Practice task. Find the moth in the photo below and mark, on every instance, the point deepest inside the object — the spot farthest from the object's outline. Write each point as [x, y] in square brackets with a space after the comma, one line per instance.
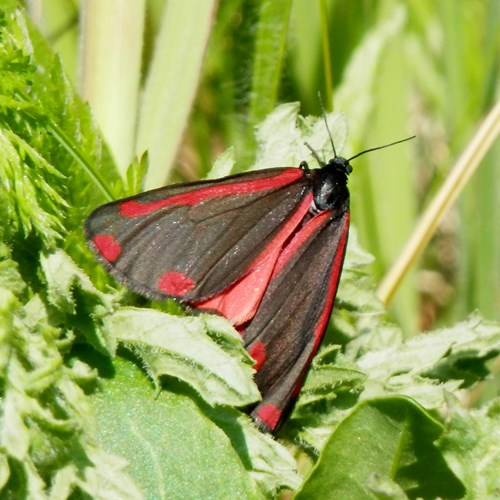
[264, 249]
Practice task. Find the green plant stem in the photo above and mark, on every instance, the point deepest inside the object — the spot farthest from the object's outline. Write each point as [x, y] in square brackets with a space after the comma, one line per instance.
[270, 53]
[111, 41]
[172, 82]
[327, 57]
[456, 181]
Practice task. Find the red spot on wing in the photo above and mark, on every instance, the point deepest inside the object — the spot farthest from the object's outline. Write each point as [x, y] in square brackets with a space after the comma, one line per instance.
[108, 247]
[175, 284]
[270, 415]
[133, 208]
[240, 301]
[258, 353]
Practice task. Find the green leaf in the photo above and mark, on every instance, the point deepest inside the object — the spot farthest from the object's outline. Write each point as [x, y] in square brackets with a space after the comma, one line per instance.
[330, 376]
[356, 289]
[282, 136]
[174, 451]
[380, 363]
[223, 165]
[427, 365]
[472, 343]
[172, 80]
[46, 425]
[10, 278]
[188, 348]
[272, 31]
[62, 276]
[136, 174]
[70, 291]
[383, 440]
[270, 464]
[46, 133]
[471, 446]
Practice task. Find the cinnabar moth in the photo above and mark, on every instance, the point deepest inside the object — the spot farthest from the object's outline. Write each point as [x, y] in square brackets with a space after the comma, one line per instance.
[264, 249]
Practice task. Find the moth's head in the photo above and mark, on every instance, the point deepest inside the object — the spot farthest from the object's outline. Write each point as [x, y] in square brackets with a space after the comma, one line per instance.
[340, 165]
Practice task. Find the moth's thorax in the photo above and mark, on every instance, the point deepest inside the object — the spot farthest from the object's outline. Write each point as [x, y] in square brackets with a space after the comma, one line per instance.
[329, 185]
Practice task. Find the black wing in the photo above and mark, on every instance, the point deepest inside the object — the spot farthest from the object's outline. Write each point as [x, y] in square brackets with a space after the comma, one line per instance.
[286, 332]
[193, 240]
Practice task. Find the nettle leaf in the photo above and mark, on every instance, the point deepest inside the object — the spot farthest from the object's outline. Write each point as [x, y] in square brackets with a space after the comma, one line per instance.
[471, 344]
[169, 430]
[72, 294]
[10, 278]
[432, 363]
[283, 134]
[329, 393]
[356, 289]
[44, 411]
[471, 446]
[331, 376]
[427, 368]
[62, 275]
[383, 448]
[271, 464]
[206, 353]
[191, 456]
[188, 348]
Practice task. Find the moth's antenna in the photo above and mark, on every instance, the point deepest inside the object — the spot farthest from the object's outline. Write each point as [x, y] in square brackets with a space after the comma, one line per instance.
[381, 147]
[326, 124]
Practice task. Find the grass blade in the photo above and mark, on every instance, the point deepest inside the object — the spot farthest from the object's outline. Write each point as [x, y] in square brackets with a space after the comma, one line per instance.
[456, 181]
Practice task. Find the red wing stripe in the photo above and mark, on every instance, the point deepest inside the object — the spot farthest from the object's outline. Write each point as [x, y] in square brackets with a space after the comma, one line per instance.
[336, 269]
[319, 329]
[133, 208]
[240, 301]
[320, 326]
[308, 230]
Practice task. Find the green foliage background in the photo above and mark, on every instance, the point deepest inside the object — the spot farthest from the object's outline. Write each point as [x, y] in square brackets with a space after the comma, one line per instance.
[396, 69]
[105, 398]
